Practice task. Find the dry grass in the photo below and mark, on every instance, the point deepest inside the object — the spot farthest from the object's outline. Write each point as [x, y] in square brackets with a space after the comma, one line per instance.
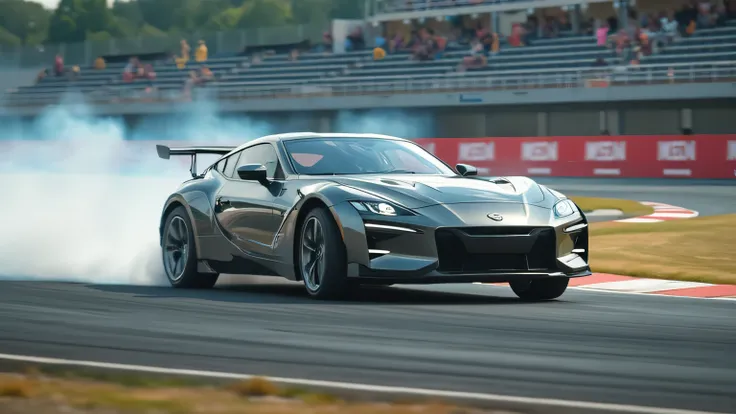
[18, 387]
[699, 249]
[628, 207]
[54, 395]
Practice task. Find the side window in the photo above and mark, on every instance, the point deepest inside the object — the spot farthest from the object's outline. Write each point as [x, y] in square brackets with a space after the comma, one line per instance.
[220, 166]
[231, 163]
[262, 154]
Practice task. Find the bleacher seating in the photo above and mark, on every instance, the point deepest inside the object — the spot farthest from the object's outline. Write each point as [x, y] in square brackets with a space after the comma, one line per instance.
[236, 74]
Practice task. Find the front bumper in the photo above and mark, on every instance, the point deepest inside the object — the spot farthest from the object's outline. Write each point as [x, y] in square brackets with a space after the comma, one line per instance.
[462, 250]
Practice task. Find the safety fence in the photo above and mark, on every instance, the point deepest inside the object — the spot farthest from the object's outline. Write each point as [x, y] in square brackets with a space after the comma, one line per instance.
[632, 156]
[642, 156]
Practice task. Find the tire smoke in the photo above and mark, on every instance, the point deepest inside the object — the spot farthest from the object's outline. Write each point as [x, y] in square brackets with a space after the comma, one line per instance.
[82, 194]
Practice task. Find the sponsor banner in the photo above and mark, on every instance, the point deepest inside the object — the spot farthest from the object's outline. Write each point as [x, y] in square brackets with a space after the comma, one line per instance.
[676, 151]
[680, 156]
[605, 151]
[691, 156]
[539, 151]
[476, 151]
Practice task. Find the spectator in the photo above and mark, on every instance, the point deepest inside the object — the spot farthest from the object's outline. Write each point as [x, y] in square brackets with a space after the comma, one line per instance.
[185, 50]
[59, 65]
[294, 55]
[130, 70]
[205, 75]
[100, 63]
[379, 53]
[148, 72]
[705, 15]
[495, 44]
[602, 35]
[201, 53]
[327, 42]
[477, 58]
[425, 47]
[42, 75]
[183, 59]
[517, 32]
[357, 41]
[75, 72]
[669, 25]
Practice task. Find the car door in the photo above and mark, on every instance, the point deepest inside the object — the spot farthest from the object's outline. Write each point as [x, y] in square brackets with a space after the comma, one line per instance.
[244, 208]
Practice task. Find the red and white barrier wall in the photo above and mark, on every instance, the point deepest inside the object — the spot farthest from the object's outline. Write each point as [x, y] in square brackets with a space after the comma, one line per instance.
[684, 156]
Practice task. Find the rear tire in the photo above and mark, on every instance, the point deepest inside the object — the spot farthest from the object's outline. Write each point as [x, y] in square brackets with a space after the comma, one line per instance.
[321, 256]
[179, 253]
[540, 289]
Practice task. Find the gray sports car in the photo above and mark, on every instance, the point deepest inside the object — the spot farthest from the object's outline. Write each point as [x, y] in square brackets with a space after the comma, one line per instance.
[337, 211]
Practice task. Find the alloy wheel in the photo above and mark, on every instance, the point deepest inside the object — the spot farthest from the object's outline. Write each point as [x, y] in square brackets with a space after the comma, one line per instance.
[312, 254]
[176, 250]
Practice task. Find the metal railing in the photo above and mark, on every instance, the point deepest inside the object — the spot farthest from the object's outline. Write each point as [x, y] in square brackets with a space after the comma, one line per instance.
[469, 82]
[401, 9]
[502, 80]
[390, 6]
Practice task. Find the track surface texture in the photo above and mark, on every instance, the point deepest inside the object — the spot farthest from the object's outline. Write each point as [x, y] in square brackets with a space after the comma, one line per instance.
[624, 349]
[708, 197]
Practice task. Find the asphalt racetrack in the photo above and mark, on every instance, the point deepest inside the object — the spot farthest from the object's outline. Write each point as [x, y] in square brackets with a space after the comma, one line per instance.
[645, 350]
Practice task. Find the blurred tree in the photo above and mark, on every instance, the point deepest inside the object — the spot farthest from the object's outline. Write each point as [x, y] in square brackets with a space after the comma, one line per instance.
[129, 11]
[265, 13]
[27, 21]
[67, 22]
[8, 39]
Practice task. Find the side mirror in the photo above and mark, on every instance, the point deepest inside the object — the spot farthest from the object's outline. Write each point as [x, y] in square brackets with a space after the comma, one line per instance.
[253, 172]
[466, 170]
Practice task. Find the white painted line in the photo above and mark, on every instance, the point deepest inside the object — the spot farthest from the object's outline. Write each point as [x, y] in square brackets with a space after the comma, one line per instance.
[359, 387]
[677, 171]
[539, 171]
[650, 294]
[607, 171]
[639, 220]
[644, 285]
[672, 215]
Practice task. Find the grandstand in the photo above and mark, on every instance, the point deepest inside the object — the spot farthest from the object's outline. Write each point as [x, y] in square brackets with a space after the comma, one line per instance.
[567, 60]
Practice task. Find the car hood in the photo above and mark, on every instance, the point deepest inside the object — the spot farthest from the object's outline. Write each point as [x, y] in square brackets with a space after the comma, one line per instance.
[416, 191]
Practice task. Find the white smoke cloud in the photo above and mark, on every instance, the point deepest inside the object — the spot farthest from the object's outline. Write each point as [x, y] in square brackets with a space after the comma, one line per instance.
[82, 194]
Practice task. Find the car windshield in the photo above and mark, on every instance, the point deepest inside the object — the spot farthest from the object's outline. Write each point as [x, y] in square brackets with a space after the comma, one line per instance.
[337, 156]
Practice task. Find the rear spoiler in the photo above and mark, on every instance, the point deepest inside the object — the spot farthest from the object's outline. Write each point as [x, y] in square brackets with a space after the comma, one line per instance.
[166, 152]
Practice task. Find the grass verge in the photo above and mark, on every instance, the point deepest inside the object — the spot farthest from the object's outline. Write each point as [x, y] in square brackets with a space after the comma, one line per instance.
[51, 391]
[700, 249]
[628, 207]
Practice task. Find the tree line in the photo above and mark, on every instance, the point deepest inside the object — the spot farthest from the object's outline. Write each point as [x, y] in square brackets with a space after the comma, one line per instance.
[24, 22]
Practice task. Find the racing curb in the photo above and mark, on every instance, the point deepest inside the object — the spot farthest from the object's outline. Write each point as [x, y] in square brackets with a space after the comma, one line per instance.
[606, 282]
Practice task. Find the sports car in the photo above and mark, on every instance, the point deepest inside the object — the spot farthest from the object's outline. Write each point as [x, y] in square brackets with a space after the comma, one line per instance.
[338, 211]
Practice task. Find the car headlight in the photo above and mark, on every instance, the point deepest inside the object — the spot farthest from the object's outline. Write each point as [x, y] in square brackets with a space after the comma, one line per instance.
[380, 208]
[564, 208]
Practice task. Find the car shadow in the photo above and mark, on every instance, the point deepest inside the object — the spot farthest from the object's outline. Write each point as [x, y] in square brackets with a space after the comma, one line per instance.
[294, 293]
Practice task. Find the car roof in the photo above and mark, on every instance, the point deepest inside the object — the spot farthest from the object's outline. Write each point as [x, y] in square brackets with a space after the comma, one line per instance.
[292, 136]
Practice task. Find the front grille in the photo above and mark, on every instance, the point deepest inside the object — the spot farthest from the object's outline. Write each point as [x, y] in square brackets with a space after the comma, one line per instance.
[455, 258]
[497, 230]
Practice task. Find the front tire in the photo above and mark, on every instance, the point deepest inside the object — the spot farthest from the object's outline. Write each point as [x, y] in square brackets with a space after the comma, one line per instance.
[540, 289]
[180, 255]
[321, 256]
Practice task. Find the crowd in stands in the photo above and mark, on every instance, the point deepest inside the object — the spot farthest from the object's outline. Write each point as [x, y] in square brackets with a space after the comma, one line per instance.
[643, 34]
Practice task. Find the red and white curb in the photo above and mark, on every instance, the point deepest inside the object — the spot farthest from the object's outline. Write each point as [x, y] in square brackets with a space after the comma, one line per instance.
[605, 282]
[662, 212]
